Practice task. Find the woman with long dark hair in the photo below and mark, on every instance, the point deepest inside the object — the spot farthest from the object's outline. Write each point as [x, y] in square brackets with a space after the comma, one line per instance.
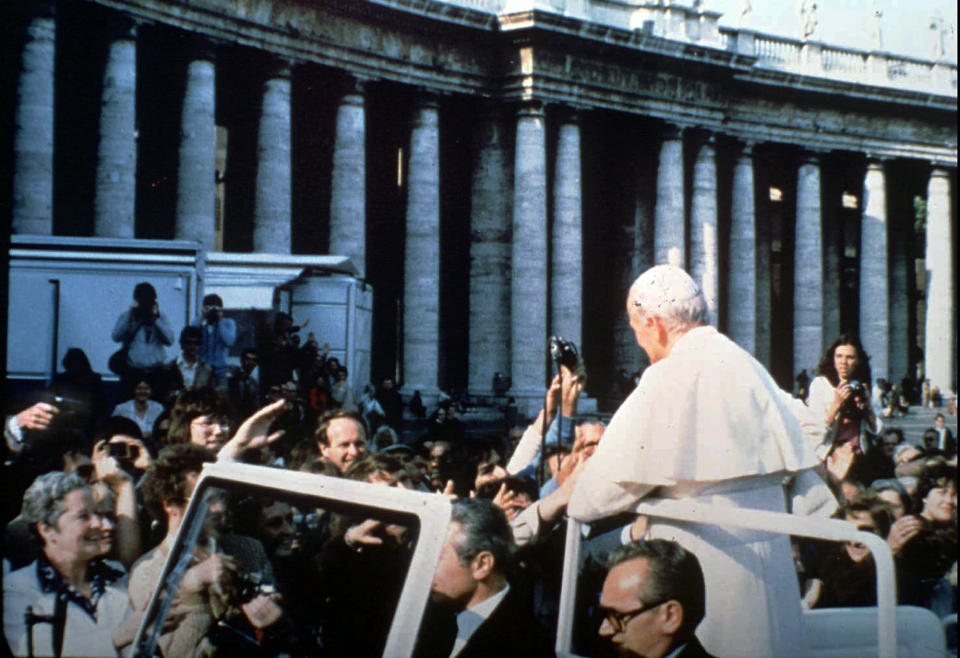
[840, 394]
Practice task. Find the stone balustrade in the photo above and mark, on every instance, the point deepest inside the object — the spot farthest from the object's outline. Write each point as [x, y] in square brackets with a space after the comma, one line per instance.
[701, 27]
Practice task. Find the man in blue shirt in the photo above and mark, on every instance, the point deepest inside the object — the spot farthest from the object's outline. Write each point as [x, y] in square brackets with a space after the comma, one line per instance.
[219, 334]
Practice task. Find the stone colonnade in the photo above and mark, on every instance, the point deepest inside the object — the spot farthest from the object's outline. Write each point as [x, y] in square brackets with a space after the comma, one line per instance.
[526, 213]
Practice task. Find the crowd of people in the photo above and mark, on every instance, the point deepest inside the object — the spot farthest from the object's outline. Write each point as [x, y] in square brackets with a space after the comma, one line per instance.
[97, 492]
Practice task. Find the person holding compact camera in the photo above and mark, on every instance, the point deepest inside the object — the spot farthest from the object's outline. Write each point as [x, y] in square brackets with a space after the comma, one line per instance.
[840, 394]
[145, 332]
[219, 335]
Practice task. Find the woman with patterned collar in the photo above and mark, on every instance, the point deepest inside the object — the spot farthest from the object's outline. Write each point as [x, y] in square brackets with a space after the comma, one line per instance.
[69, 599]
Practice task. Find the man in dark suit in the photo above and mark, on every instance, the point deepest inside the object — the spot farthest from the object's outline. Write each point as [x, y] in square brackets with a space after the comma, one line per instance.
[945, 441]
[188, 371]
[475, 611]
[652, 601]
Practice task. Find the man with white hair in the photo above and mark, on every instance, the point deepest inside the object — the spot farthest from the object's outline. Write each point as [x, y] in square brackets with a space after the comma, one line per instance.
[707, 421]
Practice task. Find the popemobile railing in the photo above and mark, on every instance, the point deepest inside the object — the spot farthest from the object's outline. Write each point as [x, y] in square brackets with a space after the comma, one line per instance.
[746, 519]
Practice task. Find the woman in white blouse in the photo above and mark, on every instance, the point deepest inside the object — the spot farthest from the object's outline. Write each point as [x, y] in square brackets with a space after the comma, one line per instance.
[840, 394]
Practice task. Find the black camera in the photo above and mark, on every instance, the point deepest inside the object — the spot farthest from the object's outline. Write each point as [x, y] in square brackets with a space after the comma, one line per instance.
[850, 408]
[121, 450]
[564, 352]
[248, 586]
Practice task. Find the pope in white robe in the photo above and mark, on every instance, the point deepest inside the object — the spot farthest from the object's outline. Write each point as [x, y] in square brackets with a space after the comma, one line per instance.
[707, 421]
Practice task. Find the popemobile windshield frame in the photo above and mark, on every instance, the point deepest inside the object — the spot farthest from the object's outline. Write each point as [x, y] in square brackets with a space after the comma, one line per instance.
[432, 510]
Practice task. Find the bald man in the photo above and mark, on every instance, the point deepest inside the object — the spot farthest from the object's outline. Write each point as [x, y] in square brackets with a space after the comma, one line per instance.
[707, 422]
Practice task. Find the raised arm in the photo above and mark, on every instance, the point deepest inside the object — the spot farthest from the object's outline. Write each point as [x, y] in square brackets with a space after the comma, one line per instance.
[164, 330]
[228, 331]
[125, 328]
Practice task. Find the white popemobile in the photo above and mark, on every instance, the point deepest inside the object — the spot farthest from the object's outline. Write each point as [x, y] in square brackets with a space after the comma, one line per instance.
[885, 631]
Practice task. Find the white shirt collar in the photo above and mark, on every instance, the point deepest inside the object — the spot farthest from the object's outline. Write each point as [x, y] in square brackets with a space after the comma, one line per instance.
[470, 619]
[676, 651]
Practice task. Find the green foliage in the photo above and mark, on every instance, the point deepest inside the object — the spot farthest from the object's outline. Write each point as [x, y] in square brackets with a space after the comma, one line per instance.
[919, 215]
[919, 225]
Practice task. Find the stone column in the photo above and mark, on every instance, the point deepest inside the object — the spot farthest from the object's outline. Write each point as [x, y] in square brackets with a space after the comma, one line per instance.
[833, 255]
[704, 266]
[940, 334]
[874, 271]
[808, 268]
[348, 189]
[901, 269]
[566, 285]
[33, 126]
[635, 257]
[528, 273]
[421, 292]
[273, 194]
[763, 350]
[669, 235]
[742, 321]
[114, 200]
[490, 215]
[196, 179]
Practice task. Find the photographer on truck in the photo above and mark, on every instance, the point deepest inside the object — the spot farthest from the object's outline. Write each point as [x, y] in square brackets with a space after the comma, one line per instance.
[145, 332]
[219, 334]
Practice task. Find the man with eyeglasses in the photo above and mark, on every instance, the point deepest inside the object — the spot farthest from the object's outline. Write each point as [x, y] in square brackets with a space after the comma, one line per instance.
[652, 601]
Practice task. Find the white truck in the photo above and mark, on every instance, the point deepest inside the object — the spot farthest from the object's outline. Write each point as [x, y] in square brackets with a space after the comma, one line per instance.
[68, 292]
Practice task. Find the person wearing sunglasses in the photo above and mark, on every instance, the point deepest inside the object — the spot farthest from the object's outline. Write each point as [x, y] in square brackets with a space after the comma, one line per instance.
[653, 598]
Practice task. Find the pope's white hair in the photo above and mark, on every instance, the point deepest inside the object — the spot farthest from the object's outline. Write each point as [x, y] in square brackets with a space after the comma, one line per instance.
[669, 293]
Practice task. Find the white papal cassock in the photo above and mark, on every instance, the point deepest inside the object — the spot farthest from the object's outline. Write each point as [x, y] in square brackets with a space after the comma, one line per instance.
[708, 422]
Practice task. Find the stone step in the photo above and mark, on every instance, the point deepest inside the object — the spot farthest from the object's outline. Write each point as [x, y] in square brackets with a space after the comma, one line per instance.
[918, 419]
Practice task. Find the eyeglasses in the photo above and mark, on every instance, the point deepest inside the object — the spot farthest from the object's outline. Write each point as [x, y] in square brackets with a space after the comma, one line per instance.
[210, 421]
[618, 620]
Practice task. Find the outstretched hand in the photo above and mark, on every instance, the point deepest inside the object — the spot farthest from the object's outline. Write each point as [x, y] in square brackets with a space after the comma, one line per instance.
[573, 384]
[553, 398]
[504, 497]
[38, 417]
[253, 433]
[363, 534]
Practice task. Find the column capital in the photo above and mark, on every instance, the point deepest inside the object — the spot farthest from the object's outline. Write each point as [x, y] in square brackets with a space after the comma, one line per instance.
[746, 147]
[939, 169]
[120, 26]
[875, 157]
[279, 67]
[531, 108]
[355, 85]
[36, 9]
[568, 113]
[674, 130]
[199, 47]
[810, 156]
[426, 100]
[875, 163]
[353, 91]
